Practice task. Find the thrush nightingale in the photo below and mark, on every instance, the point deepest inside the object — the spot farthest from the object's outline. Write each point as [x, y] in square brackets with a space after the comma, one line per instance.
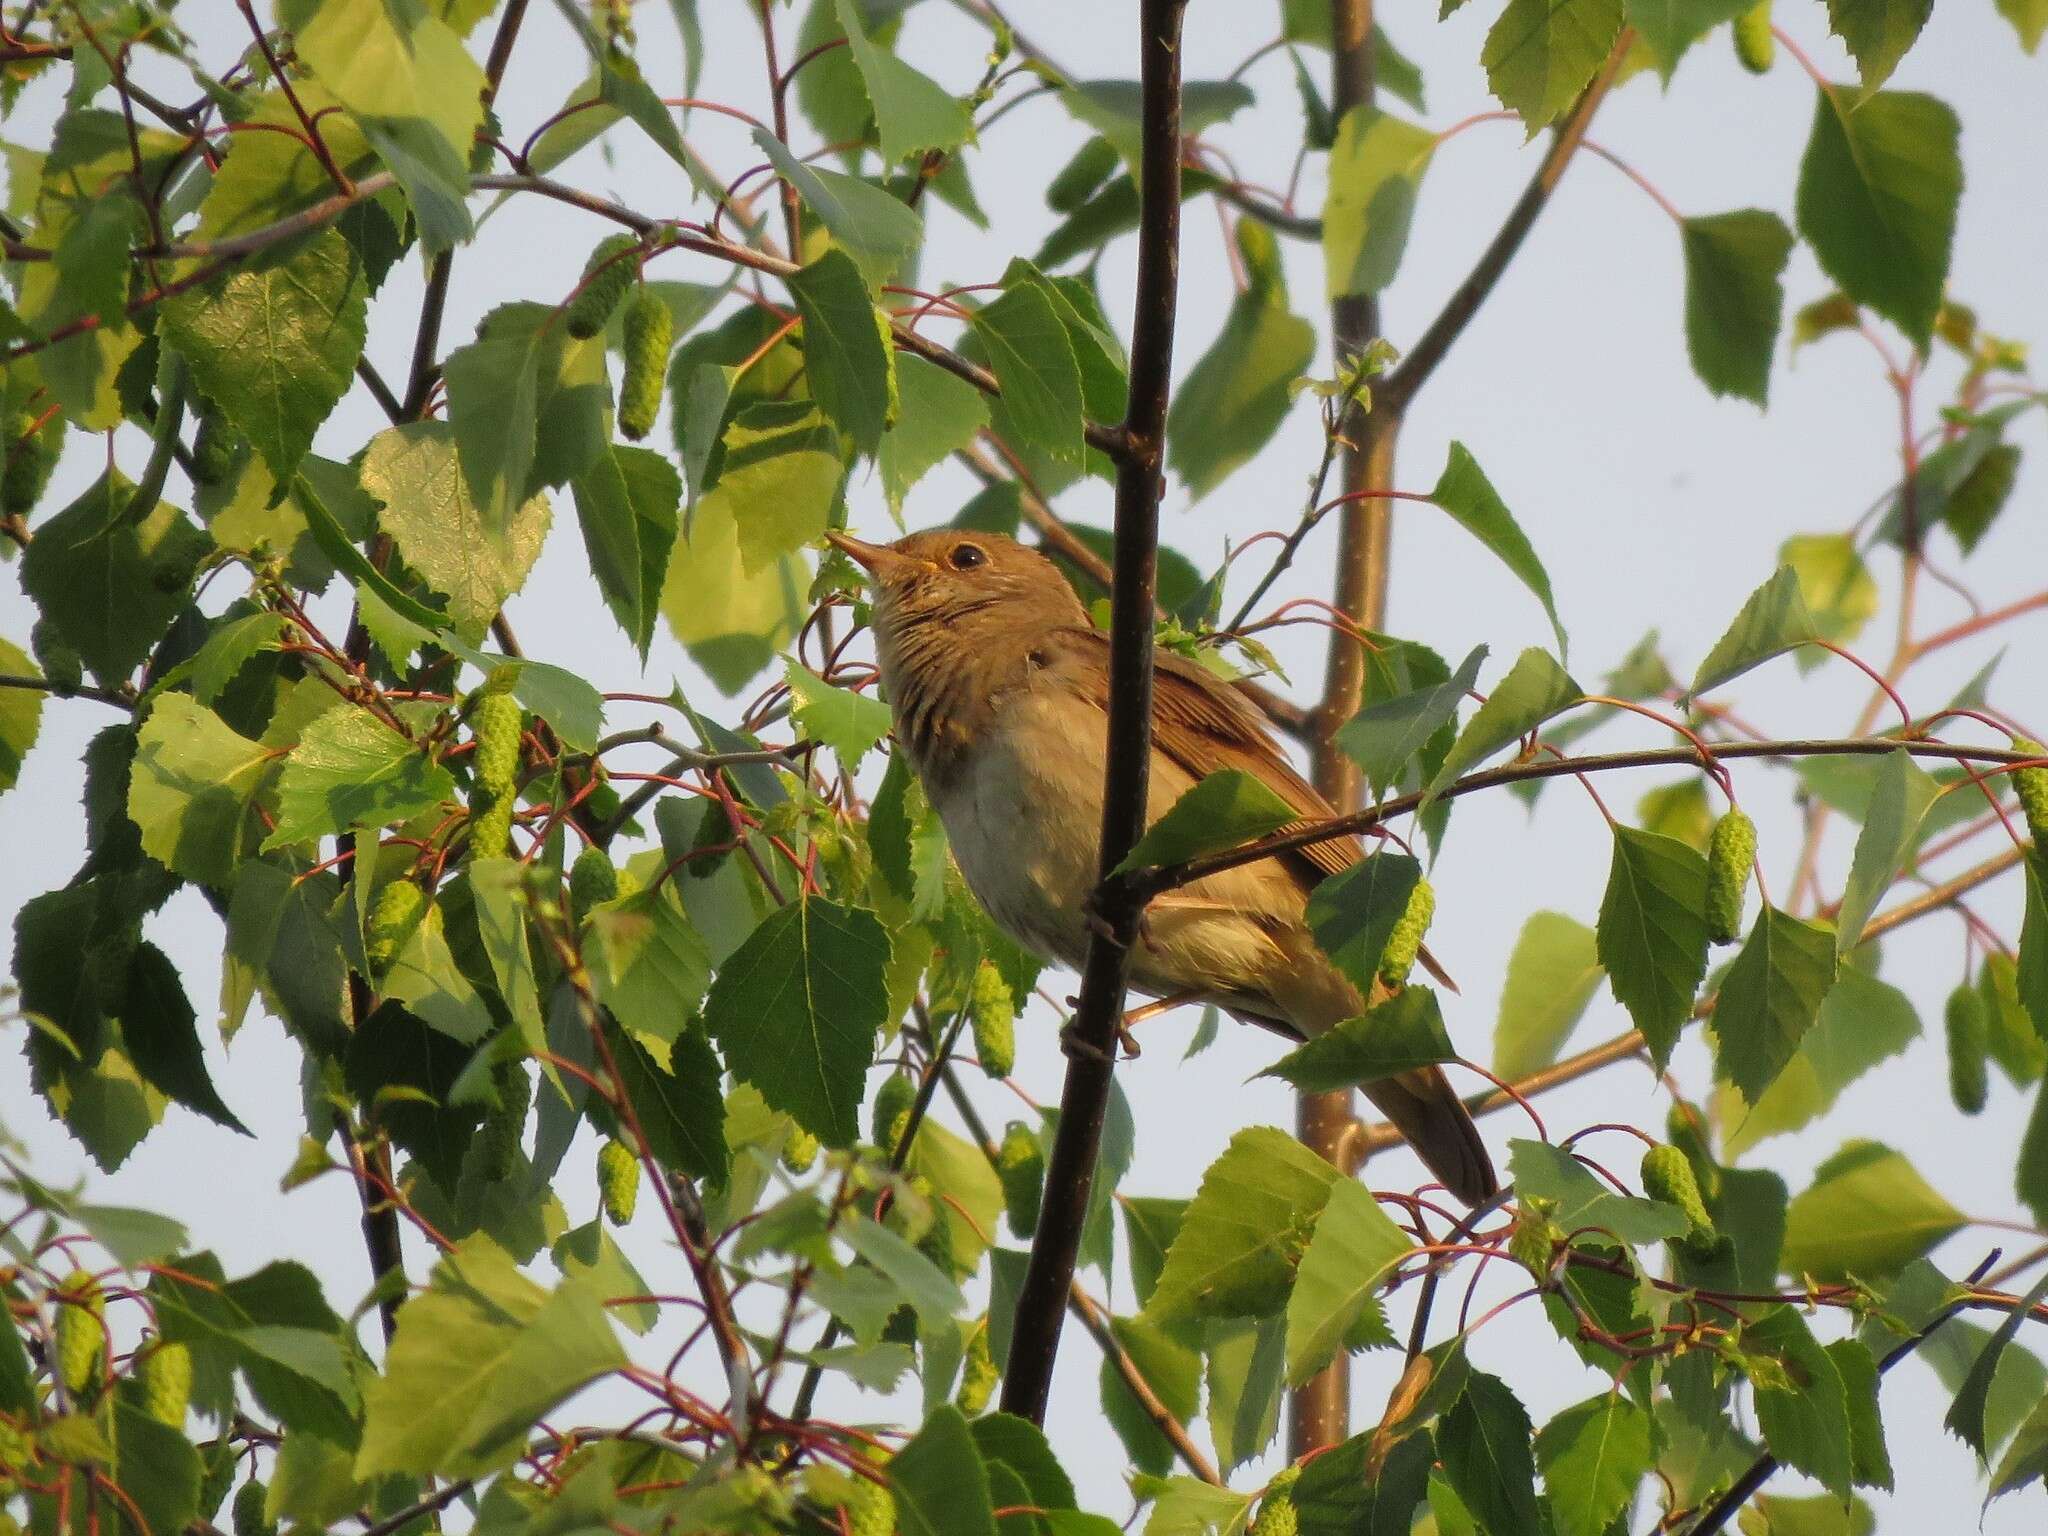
[999, 688]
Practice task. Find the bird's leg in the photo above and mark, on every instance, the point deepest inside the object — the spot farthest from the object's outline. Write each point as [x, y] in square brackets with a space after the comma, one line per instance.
[1136, 1016]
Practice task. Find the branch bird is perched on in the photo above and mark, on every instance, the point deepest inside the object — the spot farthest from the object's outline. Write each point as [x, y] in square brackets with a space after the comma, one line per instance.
[999, 686]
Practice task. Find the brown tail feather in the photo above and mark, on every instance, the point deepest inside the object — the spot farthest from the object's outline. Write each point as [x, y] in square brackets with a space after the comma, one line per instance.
[1433, 1120]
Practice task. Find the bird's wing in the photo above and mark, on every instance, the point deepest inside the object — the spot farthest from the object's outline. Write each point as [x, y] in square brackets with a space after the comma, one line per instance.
[1203, 725]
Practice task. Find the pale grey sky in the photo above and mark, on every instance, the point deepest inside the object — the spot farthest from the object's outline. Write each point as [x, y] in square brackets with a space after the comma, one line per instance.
[1653, 506]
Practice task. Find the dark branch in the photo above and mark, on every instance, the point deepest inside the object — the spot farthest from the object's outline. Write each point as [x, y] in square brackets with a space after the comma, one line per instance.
[1047, 1282]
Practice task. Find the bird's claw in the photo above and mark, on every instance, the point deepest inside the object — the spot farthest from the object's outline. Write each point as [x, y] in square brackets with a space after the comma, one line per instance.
[1078, 1049]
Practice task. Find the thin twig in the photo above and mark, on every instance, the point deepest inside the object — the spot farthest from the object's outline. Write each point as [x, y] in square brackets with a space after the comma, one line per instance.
[1041, 1303]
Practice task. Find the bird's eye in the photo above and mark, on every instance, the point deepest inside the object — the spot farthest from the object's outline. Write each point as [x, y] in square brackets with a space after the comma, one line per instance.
[965, 557]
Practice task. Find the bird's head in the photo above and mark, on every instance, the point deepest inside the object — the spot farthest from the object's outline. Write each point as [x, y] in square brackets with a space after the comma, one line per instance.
[962, 583]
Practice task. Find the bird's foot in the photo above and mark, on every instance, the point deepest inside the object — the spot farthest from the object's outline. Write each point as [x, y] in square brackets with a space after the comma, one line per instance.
[1078, 1049]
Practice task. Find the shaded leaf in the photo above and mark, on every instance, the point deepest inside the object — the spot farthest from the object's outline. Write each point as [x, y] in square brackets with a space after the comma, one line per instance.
[1464, 491]
[1770, 997]
[1867, 1212]
[1553, 972]
[1403, 1032]
[1734, 295]
[1223, 809]
[1376, 169]
[1773, 621]
[1356, 1246]
[1535, 689]
[1652, 936]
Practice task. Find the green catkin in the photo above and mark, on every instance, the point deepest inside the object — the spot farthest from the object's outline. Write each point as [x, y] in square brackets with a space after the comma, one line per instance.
[17, 1447]
[1020, 1165]
[31, 455]
[1968, 1033]
[1667, 1176]
[503, 1135]
[618, 1181]
[1278, 1515]
[606, 276]
[393, 916]
[2031, 785]
[1684, 1128]
[593, 881]
[977, 1374]
[249, 1518]
[1754, 45]
[1730, 853]
[166, 1374]
[993, 1012]
[81, 1331]
[1079, 177]
[870, 1509]
[214, 447]
[892, 1103]
[1404, 944]
[649, 328]
[496, 723]
[800, 1151]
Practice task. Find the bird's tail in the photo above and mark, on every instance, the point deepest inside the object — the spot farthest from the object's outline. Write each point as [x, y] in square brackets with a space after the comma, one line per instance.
[1433, 1120]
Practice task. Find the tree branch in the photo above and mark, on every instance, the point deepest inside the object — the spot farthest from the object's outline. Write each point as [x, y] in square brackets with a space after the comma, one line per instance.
[1422, 360]
[1166, 877]
[1034, 1343]
[1761, 1469]
[1319, 1411]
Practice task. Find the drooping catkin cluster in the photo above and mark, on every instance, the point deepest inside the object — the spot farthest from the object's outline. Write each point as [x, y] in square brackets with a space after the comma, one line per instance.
[607, 275]
[1667, 1176]
[394, 915]
[1730, 853]
[1969, 1034]
[593, 881]
[618, 1181]
[1278, 1514]
[892, 1111]
[81, 1331]
[648, 331]
[1754, 45]
[496, 723]
[1020, 1166]
[993, 1013]
[2031, 785]
[1404, 944]
[166, 1380]
[31, 455]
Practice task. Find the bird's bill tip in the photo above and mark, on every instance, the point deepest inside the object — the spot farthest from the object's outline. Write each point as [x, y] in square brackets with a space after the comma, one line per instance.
[869, 557]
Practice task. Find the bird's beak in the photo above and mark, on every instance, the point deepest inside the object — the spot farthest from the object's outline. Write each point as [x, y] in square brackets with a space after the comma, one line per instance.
[872, 558]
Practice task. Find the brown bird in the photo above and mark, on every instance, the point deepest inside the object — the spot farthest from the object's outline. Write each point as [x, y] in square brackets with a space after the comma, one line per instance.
[999, 687]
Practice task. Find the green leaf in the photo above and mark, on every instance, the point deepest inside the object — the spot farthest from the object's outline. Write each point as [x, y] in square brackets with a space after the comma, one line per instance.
[1878, 33]
[1240, 390]
[571, 705]
[1353, 914]
[1583, 1200]
[229, 649]
[1891, 833]
[850, 723]
[1777, 1514]
[1878, 190]
[1376, 170]
[1246, 1366]
[782, 476]
[493, 389]
[1670, 27]
[189, 789]
[1116, 108]
[1553, 973]
[1734, 263]
[2029, 19]
[2030, 977]
[1835, 584]
[921, 1283]
[2030, 1175]
[441, 533]
[1224, 809]
[1032, 358]
[1652, 936]
[1593, 1455]
[1384, 735]
[352, 770]
[940, 1481]
[912, 111]
[1867, 1453]
[1806, 1420]
[1245, 1229]
[732, 618]
[648, 965]
[1335, 1497]
[160, 1032]
[1770, 997]
[1863, 1021]
[880, 234]
[1397, 1035]
[938, 415]
[1773, 621]
[796, 1008]
[627, 503]
[1535, 689]
[1541, 53]
[1356, 1246]
[678, 1101]
[276, 348]
[21, 713]
[846, 362]
[480, 1356]
[1464, 491]
[1484, 1447]
[110, 586]
[1867, 1212]
[2026, 1459]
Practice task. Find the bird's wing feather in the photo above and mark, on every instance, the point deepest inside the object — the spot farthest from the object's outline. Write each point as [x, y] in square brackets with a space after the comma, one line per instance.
[1202, 724]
